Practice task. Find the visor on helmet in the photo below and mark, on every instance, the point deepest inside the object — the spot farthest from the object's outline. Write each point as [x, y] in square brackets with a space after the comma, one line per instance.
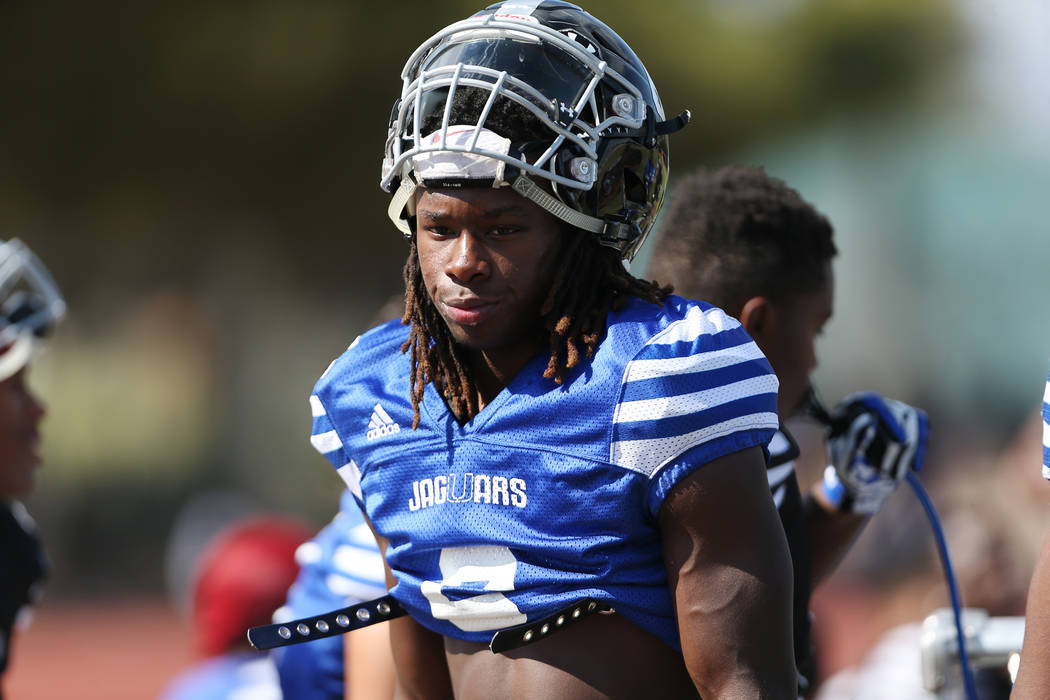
[564, 76]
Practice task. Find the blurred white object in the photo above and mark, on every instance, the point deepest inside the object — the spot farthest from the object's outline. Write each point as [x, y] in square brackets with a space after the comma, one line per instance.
[891, 669]
[990, 642]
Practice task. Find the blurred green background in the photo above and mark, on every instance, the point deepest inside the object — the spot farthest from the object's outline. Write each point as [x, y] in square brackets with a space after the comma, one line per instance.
[202, 180]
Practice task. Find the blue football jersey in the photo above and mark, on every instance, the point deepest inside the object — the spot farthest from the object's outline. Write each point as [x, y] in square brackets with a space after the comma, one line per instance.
[340, 566]
[1046, 429]
[234, 675]
[551, 493]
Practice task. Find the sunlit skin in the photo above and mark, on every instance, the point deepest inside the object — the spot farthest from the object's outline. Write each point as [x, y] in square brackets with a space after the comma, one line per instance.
[786, 331]
[20, 413]
[488, 257]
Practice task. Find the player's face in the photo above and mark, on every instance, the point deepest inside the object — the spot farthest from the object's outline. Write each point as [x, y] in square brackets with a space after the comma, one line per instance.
[487, 258]
[790, 342]
[20, 414]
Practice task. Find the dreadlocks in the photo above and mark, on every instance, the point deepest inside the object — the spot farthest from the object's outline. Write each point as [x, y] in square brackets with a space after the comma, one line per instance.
[589, 283]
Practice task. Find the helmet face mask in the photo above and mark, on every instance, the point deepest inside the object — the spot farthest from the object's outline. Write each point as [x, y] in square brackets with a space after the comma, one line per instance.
[590, 116]
[30, 305]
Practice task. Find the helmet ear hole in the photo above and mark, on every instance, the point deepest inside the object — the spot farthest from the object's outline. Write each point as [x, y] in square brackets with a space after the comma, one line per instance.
[634, 190]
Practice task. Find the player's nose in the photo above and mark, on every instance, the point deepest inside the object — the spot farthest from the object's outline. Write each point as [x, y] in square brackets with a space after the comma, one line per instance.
[467, 258]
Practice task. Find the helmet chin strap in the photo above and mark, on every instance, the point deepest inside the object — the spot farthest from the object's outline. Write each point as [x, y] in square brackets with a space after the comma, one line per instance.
[396, 209]
[533, 192]
[611, 234]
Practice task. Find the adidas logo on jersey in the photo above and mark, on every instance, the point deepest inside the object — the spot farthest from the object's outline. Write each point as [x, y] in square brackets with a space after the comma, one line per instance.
[381, 424]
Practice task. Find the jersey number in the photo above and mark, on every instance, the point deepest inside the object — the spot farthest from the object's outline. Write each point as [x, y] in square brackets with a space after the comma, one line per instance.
[495, 566]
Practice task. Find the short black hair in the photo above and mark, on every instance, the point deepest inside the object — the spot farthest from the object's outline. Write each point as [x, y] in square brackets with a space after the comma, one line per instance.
[736, 232]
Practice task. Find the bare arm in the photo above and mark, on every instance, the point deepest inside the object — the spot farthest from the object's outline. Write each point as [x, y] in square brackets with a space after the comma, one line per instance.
[730, 576]
[1033, 674]
[831, 533]
[370, 670]
[418, 653]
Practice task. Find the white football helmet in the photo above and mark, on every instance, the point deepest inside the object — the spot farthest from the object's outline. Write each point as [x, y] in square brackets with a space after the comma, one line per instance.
[30, 305]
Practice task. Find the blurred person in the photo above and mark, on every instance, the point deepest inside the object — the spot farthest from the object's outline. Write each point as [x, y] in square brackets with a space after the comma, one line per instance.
[748, 243]
[1033, 672]
[30, 305]
[893, 581]
[240, 579]
[550, 436]
[338, 567]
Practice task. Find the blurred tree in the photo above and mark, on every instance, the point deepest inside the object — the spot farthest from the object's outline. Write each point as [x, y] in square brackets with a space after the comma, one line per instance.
[154, 128]
[223, 158]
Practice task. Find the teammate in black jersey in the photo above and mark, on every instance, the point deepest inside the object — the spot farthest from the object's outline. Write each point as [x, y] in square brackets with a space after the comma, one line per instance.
[747, 242]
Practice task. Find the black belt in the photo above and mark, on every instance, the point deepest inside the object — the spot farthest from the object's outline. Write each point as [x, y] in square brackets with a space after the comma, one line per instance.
[514, 637]
[327, 625]
[387, 608]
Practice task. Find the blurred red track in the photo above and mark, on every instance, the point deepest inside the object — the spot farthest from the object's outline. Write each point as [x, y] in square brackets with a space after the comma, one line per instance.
[105, 650]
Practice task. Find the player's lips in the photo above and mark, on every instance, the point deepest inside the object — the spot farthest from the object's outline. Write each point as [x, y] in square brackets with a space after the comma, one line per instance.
[470, 311]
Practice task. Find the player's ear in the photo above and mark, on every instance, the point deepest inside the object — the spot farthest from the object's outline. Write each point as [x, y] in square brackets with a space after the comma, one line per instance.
[755, 316]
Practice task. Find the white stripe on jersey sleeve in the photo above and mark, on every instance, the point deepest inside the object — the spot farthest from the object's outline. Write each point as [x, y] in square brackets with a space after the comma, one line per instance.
[715, 359]
[669, 406]
[361, 563]
[696, 322]
[1046, 430]
[326, 442]
[316, 407]
[352, 589]
[777, 475]
[778, 444]
[361, 535]
[352, 477]
[648, 456]
[308, 552]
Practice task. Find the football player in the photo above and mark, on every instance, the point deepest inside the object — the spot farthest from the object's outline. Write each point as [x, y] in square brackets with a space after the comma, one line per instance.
[239, 579]
[30, 305]
[339, 566]
[751, 245]
[544, 436]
